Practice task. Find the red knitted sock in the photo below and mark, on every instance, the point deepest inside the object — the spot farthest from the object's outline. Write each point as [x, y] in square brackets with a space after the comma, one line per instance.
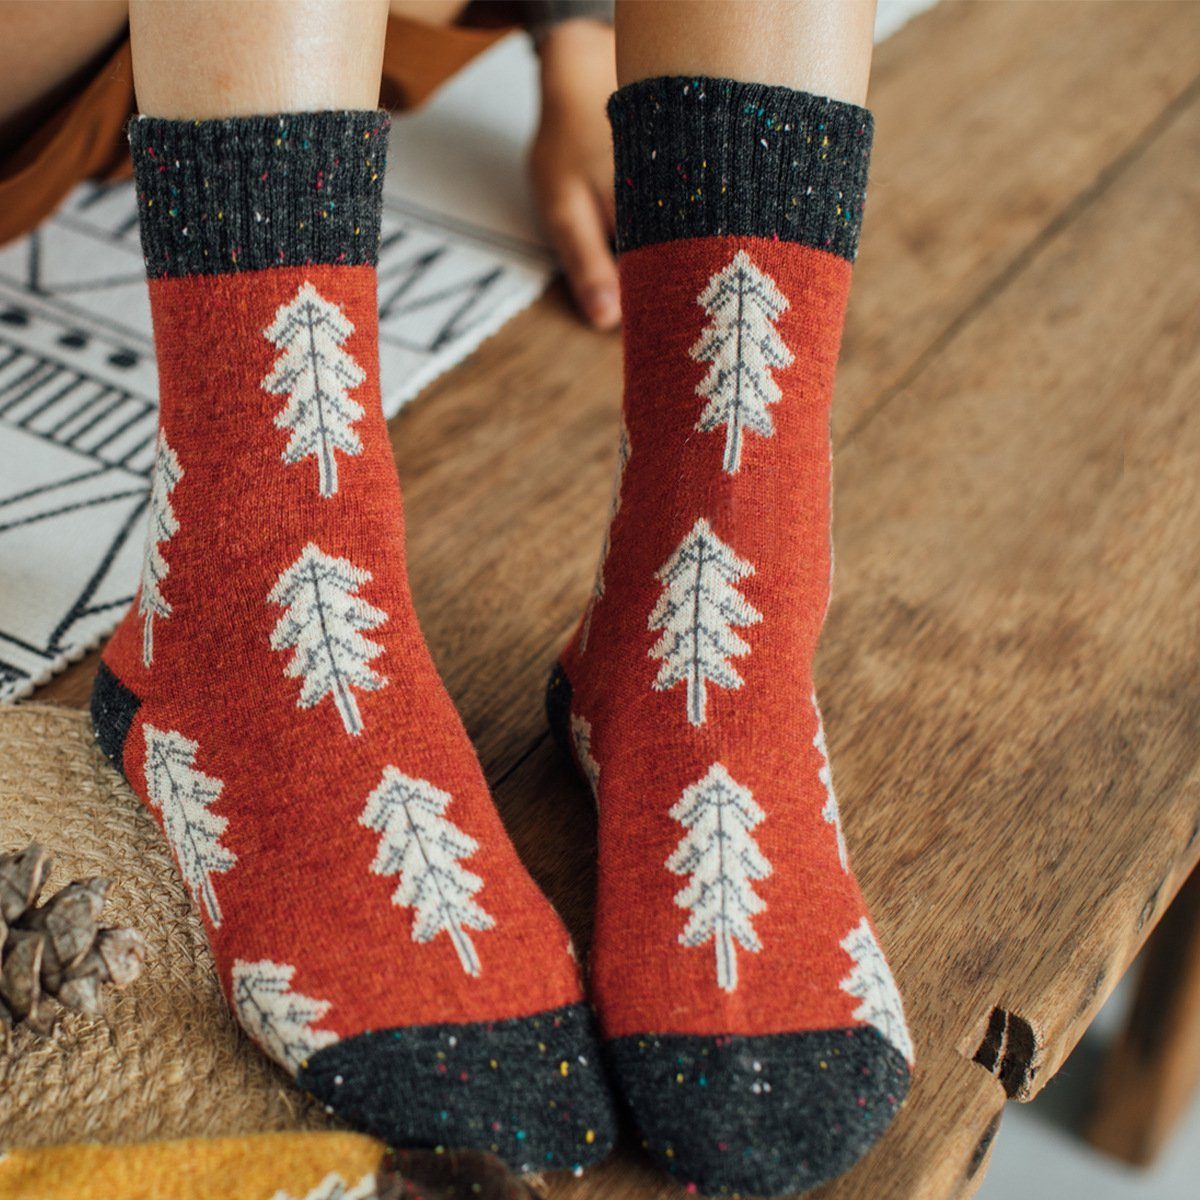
[270, 696]
[750, 1018]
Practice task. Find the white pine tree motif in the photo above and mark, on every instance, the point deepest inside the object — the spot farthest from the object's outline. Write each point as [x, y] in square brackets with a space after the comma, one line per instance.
[825, 774]
[185, 796]
[420, 845]
[697, 612]
[334, 1187]
[623, 452]
[324, 622]
[581, 731]
[315, 374]
[162, 527]
[743, 347]
[723, 860]
[280, 1020]
[872, 983]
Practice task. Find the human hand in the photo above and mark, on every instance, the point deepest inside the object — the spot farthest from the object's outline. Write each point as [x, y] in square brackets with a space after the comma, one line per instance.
[571, 163]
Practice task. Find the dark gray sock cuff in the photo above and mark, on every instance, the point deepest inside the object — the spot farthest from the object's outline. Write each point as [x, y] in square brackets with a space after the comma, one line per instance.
[699, 157]
[252, 192]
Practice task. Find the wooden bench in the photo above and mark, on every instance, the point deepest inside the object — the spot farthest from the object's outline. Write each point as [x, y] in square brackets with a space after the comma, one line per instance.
[1011, 669]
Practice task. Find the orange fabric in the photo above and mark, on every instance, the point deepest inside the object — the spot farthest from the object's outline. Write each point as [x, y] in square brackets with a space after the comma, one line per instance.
[774, 514]
[419, 58]
[303, 890]
[85, 138]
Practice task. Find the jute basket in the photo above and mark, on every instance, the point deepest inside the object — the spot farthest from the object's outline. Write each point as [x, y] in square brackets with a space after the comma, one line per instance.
[167, 1059]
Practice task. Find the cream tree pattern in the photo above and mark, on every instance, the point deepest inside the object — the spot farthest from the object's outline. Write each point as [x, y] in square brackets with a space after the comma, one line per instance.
[185, 796]
[742, 347]
[825, 774]
[697, 612]
[623, 452]
[420, 845]
[316, 374]
[280, 1020]
[324, 624]
[162, 527]
[720, 855]
[871, 982]
[334, 1187]
[581, 733]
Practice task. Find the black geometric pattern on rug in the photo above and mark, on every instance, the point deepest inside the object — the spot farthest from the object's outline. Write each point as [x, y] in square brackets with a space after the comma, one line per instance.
[78, 396]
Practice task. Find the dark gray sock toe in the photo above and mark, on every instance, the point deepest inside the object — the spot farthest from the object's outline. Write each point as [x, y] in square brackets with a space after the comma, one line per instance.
[529, 1089]
[113, 708]
[760, 1116]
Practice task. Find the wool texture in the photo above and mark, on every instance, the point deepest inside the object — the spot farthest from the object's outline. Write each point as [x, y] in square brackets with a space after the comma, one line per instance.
[750, 1017]
[271, 698]
[268, 1166]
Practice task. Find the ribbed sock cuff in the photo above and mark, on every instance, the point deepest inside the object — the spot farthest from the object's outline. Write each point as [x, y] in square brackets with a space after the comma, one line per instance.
[253, 192]
[699, 157]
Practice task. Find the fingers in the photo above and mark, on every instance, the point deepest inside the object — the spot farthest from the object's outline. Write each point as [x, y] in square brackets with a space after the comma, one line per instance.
[579, 229]
[608, 200]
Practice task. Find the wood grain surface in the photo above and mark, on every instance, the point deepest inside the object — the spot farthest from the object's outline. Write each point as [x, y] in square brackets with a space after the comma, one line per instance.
[1009, 670]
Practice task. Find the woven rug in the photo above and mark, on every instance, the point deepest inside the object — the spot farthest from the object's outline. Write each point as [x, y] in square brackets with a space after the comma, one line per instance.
[167, 1059]
[461, 255]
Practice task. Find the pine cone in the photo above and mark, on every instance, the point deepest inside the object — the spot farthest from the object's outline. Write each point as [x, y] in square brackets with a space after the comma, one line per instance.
[56, 951]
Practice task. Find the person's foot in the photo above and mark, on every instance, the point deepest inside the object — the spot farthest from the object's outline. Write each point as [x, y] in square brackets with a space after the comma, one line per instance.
[750, 1017]
[270, 696]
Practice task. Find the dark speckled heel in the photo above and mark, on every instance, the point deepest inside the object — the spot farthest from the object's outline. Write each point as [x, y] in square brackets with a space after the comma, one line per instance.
[750, 1115]
[113, 709]
[528, 1089]
[760, 1116]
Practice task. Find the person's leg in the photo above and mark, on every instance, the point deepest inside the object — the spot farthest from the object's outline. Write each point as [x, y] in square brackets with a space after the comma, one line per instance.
[270, 695]
[750, 1018]
[818, 46]
[226, 58]
[41, 53]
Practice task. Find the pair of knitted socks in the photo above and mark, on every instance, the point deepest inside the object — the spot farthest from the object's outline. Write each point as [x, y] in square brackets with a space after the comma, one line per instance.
[271, 698]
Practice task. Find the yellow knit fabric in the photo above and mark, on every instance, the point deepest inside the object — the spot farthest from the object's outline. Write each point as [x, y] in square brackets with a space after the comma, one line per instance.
[269, 1166]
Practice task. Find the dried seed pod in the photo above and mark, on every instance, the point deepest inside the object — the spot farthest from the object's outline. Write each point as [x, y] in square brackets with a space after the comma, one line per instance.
[56, 951]
[21, 878]
[82, 994]
[21, 975]
[123, 954]
[69, 919]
